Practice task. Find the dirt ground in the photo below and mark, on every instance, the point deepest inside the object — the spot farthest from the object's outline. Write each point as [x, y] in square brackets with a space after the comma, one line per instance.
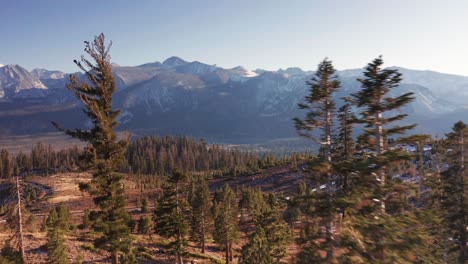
[63, 188]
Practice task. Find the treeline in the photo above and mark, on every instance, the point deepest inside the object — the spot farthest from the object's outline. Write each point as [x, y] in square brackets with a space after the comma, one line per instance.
[41, 160]
[151, 155]
[154, 155]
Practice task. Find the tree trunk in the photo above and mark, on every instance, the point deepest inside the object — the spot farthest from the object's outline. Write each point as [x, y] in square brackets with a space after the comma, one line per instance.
[379, 137]
[231, 258]
[115, 258]
[179, 259]
[203, 245]
[328, 159]
[20, 222]
[227, 253]
[203, 234]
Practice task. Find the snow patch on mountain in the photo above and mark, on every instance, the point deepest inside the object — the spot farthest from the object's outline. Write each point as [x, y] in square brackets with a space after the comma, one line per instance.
[46, 74]
[14, 80]
[174, 62]
[243, 72]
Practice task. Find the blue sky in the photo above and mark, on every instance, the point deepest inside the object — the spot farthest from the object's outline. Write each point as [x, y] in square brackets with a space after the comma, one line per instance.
[268, 34]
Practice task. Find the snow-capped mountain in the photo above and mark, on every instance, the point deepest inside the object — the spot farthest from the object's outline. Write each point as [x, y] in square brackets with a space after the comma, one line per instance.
[17, 82]
[205, 100]
[46, 74]
[174, 62]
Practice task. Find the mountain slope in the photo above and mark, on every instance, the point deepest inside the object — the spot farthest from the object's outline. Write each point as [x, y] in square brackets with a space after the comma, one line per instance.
[17, 82]
[203, 100]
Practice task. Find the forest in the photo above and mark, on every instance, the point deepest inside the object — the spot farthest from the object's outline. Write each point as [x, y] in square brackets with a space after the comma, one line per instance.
[385, 196]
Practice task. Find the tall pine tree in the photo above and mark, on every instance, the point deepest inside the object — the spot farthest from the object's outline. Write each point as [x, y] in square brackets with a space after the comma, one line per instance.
[170, 215]
[375, 226]
[200, 218]
[58, 224]
[104, 151]
[225, 210]
[454, 191]
[320, 114]
[257, 249]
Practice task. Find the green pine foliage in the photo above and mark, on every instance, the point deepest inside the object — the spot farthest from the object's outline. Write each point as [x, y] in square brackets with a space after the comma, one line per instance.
[104, 151]
[170, 215]
[454, 192]
[200, 216]
[266, 212]
[343, 145]
[225, 210]
[57, 224]
[154, 155]
[375, 227]
[5, 165]
[257, 249]
[376, 104]
[320, 107]
[318, 126]
[145, 226]
[144, 205]
[8, 255]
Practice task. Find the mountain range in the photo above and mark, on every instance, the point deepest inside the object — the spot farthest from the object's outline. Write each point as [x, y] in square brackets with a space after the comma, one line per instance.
[234, 105]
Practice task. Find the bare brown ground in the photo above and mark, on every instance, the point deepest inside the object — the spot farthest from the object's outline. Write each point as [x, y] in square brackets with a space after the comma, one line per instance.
[65, 190]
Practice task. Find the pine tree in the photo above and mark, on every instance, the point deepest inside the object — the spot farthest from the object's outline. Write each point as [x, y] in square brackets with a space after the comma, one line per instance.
[170, 215]
[257, 249]
[144, 205]
[225, 220]
[320, 116]
[104, 152]
[145, 226]
[321, 107]
[454, 191]
[8, 255]
[375, 103]
[268, 217]
[5, 164]
[344, 143]
[200, 212]
[343, 148]
[378, 215]
[376, 109]
[57, 224]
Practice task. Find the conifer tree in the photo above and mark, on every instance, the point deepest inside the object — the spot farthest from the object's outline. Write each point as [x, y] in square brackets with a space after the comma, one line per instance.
[257, 249]
[144, 205]
[199, 199]
[376, 104]
[104, 151]
[57, 224]
[320, 108]
[145, 225]
[374, 230]
[225, 220]
[376, 109]
[344, 145]
[5, 165]
[320, 116]
[269, 218]
[170, 215]
[454, 191]
[343, 150]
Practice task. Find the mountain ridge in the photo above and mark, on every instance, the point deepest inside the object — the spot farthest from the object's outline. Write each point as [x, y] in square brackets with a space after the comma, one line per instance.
[203, 100]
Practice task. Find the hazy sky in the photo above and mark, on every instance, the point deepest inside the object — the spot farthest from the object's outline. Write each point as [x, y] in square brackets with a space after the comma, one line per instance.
[269, 34]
